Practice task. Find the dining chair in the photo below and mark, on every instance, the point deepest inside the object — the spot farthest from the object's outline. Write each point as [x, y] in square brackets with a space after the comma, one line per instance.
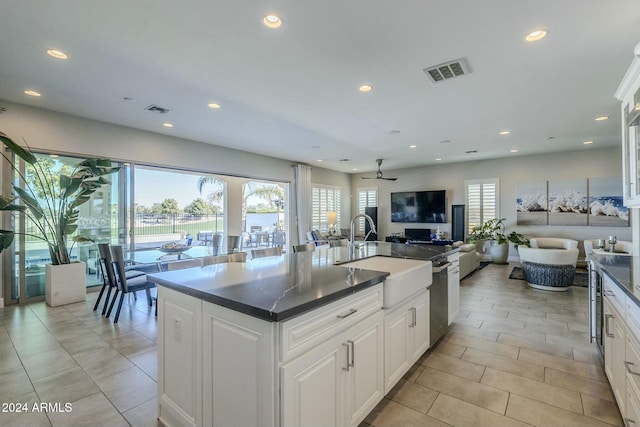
[216, 243]
[187, 263]
[338, 242]
[307, 247]
[214, 259]
[125, 285]
[234, 243]
[221, 259]
[107, 282]
[237, 257]
[260, 253]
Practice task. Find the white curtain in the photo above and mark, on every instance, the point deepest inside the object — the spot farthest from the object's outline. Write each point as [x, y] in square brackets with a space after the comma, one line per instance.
[302, 175]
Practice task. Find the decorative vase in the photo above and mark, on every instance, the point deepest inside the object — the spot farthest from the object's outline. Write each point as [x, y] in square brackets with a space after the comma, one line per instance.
[65, 283]
[499, 252]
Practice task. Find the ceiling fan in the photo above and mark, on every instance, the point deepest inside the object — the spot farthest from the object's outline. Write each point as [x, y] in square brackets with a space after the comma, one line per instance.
[379, 173]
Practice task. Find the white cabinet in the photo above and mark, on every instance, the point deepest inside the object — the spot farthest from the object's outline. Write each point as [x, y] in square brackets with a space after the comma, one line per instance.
[179, 359]
[238, 369]
[453, 279]
[338, 382]
[614, 339]
[628, 93]
[406, 335]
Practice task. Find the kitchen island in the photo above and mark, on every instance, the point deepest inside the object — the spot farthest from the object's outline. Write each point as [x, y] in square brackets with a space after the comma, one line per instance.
[287, 340]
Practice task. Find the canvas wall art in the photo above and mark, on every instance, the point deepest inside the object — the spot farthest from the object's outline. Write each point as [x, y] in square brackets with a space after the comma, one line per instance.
[606, 207]
[531, 203]
[568, 202]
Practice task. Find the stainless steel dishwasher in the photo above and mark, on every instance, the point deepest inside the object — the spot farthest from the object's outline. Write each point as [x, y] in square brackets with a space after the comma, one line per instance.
[439, 294]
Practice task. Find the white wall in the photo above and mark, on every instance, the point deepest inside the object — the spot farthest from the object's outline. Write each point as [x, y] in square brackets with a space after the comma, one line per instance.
[586, 163]
[50, 131]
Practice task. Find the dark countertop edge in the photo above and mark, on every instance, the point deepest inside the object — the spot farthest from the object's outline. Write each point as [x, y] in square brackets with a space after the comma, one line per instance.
[268, 315]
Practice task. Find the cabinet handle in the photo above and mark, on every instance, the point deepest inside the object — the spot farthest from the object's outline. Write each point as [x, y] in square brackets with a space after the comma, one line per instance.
[413, 317]
[628, 366]
[351, 311]
[353, 353]
[628, 422]
[606, 325]
[348, 364]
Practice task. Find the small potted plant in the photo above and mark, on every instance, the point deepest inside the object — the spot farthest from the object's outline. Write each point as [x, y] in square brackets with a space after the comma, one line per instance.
[490, 237]
[50, 201]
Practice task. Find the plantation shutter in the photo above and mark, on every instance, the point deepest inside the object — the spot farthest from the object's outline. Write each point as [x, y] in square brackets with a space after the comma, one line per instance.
[323, 200]
[482, 201]
[367, 197]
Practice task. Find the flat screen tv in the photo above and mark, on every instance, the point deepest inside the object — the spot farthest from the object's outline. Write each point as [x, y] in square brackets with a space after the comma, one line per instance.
[419, 207]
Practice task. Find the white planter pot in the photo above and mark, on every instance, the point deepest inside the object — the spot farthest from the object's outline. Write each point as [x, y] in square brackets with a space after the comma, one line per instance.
[482, 250]
[499, 252]
[65, 283]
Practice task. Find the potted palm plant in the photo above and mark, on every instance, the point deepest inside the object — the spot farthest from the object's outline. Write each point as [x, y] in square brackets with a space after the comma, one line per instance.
[50, 201]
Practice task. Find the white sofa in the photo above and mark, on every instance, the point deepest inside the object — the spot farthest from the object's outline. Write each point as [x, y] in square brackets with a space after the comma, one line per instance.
[550, 263]
[469, 260]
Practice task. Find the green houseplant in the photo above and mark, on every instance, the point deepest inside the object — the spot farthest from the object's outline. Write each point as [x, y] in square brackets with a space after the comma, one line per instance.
[492, 235]
[50, 201]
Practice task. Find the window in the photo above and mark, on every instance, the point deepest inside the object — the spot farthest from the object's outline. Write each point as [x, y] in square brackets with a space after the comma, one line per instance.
[367, 198]
[482, 201]
[323, 200]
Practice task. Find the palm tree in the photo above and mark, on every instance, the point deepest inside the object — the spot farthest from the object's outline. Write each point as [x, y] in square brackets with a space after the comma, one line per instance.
[270, 192]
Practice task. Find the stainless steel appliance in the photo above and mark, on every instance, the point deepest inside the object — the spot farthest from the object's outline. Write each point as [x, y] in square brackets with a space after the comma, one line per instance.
[595, 306]
[438, 305]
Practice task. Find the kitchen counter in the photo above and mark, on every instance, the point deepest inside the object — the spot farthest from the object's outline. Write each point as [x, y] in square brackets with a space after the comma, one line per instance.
[624, 270]
[280, 287]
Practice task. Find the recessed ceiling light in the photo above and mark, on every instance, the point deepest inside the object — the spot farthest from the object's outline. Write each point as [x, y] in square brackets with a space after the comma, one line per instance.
[412, 146]
[127, 99]
[536, 35]
[355, 169]
[319, 160]
[445, 141]
[32, 93]
[514, 151]
[365, 88]
[58, 54]
[550, 138]
[601, 118]
[587, 142]
[438, 159]
[213, 105]
[272, 21]
[504, 132]
[393, 132]
[167, 125]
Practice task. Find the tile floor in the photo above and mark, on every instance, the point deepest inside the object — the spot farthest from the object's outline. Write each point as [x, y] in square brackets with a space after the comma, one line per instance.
[515, 356]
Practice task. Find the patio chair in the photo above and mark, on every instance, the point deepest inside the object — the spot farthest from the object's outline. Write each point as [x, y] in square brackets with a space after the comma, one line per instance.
[234, 244]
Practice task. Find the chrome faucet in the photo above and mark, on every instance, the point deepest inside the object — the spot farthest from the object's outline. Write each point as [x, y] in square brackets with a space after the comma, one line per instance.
[352, 236]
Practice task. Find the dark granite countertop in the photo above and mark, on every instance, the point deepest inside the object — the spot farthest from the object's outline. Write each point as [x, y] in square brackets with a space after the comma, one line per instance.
[624, 270]
[280, 287]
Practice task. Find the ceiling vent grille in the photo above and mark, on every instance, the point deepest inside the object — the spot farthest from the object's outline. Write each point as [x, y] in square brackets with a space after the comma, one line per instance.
[156, 109]
[447, 70]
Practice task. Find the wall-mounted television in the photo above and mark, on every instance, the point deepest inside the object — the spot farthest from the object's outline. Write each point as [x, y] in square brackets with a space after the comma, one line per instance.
[419, 206]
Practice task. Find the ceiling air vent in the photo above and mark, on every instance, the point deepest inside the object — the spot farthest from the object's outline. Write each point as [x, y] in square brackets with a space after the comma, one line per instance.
[156, 109]
[447, 70]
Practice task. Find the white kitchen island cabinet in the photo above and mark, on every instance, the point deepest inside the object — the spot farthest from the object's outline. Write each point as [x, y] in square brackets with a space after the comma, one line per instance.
[291, 340]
